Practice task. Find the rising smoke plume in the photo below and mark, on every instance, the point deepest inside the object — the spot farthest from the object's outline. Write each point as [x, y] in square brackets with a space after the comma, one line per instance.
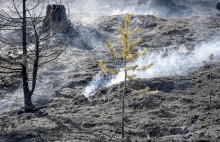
[167, 62]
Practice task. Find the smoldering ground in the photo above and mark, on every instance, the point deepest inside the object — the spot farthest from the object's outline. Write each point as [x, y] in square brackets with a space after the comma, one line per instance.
[181, 111]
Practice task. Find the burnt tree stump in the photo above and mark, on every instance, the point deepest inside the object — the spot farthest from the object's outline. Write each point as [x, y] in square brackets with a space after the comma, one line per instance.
[56, 19]
[140, 2]
[218, 6]
[169, 4]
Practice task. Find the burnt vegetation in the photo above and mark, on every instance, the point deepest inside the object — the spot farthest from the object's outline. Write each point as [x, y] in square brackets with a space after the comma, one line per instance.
[37, 44]
[186, 107]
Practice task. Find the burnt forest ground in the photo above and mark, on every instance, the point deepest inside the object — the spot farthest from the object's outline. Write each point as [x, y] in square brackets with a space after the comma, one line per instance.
[179, 112]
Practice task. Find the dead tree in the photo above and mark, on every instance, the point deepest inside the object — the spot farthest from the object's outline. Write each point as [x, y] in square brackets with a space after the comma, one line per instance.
[36, 47]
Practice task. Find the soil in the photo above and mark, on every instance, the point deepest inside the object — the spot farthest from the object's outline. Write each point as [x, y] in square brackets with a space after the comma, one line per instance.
[180, 112]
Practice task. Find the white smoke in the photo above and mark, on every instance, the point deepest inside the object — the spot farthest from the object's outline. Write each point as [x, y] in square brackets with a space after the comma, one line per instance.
[97, 81]
[166, 62]
[89, 10]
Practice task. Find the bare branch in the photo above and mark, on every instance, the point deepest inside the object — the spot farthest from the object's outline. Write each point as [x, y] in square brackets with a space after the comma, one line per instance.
[38, 2]
[7, 14]
[54, 53]
[54, 57]
[41, 12]
[16, 8]
[12, 20]
[9, 42]
[9, 25]
[9, 68]
[10, 61]
[9, 72]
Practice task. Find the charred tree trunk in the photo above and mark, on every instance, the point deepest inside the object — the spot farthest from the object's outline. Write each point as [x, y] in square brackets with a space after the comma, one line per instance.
[218, 6]
[55, 18]
[24, 35]
[30, 62]
[36, 62]
[28, 106]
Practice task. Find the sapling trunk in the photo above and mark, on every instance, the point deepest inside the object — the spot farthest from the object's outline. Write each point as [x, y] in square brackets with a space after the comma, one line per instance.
[211, 57]
[210, 95]
[123, 100]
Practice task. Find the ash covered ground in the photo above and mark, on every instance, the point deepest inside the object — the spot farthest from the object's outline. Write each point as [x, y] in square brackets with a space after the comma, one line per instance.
[179, 40]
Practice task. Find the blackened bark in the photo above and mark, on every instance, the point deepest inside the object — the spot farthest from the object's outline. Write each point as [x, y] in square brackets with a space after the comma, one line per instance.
[28, 106]
[123, 102]
[55, 18]
[24, 35]
[36, 62]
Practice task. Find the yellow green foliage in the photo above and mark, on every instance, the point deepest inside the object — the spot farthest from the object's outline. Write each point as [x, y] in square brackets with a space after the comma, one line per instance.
[107, 70]
[127, 45]
[124, 41]
[146, 90]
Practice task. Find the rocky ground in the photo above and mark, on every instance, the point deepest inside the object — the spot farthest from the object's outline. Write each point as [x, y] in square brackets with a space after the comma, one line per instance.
[180, 112]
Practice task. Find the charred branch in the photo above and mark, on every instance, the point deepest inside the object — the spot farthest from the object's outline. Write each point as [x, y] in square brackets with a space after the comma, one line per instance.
[10, 61]
[9, 72]
[16, 9]
[54, 57]
[10, 68]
